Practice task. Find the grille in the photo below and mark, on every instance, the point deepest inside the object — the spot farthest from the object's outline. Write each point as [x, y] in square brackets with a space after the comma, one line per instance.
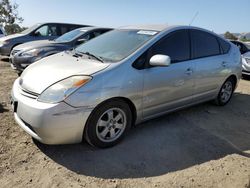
[29, 94]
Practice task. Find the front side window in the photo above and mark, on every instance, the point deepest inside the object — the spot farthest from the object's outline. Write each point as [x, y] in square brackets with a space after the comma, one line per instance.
[116, 45]
[42, 31]
[176, 45]
[204, 44]
[47, 30]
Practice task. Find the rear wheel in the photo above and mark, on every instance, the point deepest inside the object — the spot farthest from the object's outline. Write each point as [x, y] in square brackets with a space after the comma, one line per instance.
[226, 92]
[108, 124]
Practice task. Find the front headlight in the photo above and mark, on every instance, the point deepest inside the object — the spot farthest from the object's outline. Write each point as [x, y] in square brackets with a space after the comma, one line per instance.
[2, 43]
[62, 89]
[247, 60]
[31, 53]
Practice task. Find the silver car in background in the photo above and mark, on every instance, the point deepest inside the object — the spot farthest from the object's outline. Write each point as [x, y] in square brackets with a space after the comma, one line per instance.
[132, 74]
[245, 53]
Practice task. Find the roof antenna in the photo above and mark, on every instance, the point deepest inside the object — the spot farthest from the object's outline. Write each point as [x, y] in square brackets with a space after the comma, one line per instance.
[196, 14]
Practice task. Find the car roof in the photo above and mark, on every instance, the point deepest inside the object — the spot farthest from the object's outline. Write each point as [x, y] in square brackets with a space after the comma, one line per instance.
[154, 27]
[161, 27]
[92, 28]
[84, 25]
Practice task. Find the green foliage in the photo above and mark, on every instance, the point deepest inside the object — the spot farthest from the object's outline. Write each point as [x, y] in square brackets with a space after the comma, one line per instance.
[230, 36]
[244, 39]
[13, 28]
[9, 17]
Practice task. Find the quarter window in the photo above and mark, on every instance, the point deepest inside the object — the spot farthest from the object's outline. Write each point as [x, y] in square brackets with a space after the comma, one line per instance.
[204, 44]
[176, 45]
[225, 46]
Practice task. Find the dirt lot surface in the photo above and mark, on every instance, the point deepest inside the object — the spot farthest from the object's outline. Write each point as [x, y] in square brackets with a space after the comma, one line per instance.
[202, 146]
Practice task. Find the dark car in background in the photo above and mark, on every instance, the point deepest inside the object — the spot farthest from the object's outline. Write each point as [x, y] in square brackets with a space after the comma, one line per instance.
[37, 32]
[25, 54]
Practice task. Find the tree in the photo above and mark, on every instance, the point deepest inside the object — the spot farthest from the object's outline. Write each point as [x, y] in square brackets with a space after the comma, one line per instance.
[9, 17]
[230, 36]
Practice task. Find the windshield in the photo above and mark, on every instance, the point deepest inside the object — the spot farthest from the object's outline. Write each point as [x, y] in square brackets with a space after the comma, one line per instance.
[248, 46]
[67, 37]
[116, 45]
[30, 29]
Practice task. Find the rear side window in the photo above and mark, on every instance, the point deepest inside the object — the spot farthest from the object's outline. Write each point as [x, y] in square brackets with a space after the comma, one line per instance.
[63, 29]
[225, 46]
[176, 45]
[204, 44]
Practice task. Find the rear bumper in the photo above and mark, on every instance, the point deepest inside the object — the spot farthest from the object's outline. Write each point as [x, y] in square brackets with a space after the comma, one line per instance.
[48, 123]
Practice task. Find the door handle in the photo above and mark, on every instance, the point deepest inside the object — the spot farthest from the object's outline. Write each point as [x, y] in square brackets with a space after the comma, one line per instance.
[224, 64]
[189, 71]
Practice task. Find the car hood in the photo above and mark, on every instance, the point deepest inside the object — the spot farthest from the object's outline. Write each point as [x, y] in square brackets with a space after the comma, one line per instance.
[9, 37]
[45, 72]
[36, 44]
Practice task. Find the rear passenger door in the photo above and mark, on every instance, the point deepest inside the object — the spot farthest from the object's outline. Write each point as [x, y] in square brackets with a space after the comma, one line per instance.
[209, 64]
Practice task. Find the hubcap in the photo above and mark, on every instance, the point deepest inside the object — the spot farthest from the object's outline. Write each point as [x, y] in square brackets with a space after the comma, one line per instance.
[111, 125]
[226, 91]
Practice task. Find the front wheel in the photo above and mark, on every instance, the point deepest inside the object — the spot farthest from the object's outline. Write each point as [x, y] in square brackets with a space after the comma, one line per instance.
[108, 124]
[226, 92]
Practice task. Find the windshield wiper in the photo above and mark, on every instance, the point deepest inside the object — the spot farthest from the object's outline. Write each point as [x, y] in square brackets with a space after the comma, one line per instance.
[92, 55]
[80, 54]
[76, 53]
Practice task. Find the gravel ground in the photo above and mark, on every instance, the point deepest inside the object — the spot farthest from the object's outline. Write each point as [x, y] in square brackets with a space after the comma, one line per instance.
[202, 146]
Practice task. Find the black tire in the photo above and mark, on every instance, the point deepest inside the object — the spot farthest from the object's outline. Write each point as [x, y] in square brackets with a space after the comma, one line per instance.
[245, 77]
[90, 131]
[219, 100]
[19, 73]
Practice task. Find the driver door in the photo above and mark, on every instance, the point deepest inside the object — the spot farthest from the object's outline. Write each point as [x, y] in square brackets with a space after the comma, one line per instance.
[171, 87]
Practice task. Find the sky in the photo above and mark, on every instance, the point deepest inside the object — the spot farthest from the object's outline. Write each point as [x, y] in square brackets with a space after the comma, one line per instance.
[216, 15]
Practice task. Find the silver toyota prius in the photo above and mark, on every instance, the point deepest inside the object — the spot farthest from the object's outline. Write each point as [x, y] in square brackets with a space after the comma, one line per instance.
[100, 89]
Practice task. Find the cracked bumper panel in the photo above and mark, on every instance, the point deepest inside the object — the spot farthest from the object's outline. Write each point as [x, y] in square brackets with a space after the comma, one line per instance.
[49, 123]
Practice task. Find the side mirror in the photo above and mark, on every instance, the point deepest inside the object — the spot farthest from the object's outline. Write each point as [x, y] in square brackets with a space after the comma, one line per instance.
[36, 34]
[80, 41]
[160, 60]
